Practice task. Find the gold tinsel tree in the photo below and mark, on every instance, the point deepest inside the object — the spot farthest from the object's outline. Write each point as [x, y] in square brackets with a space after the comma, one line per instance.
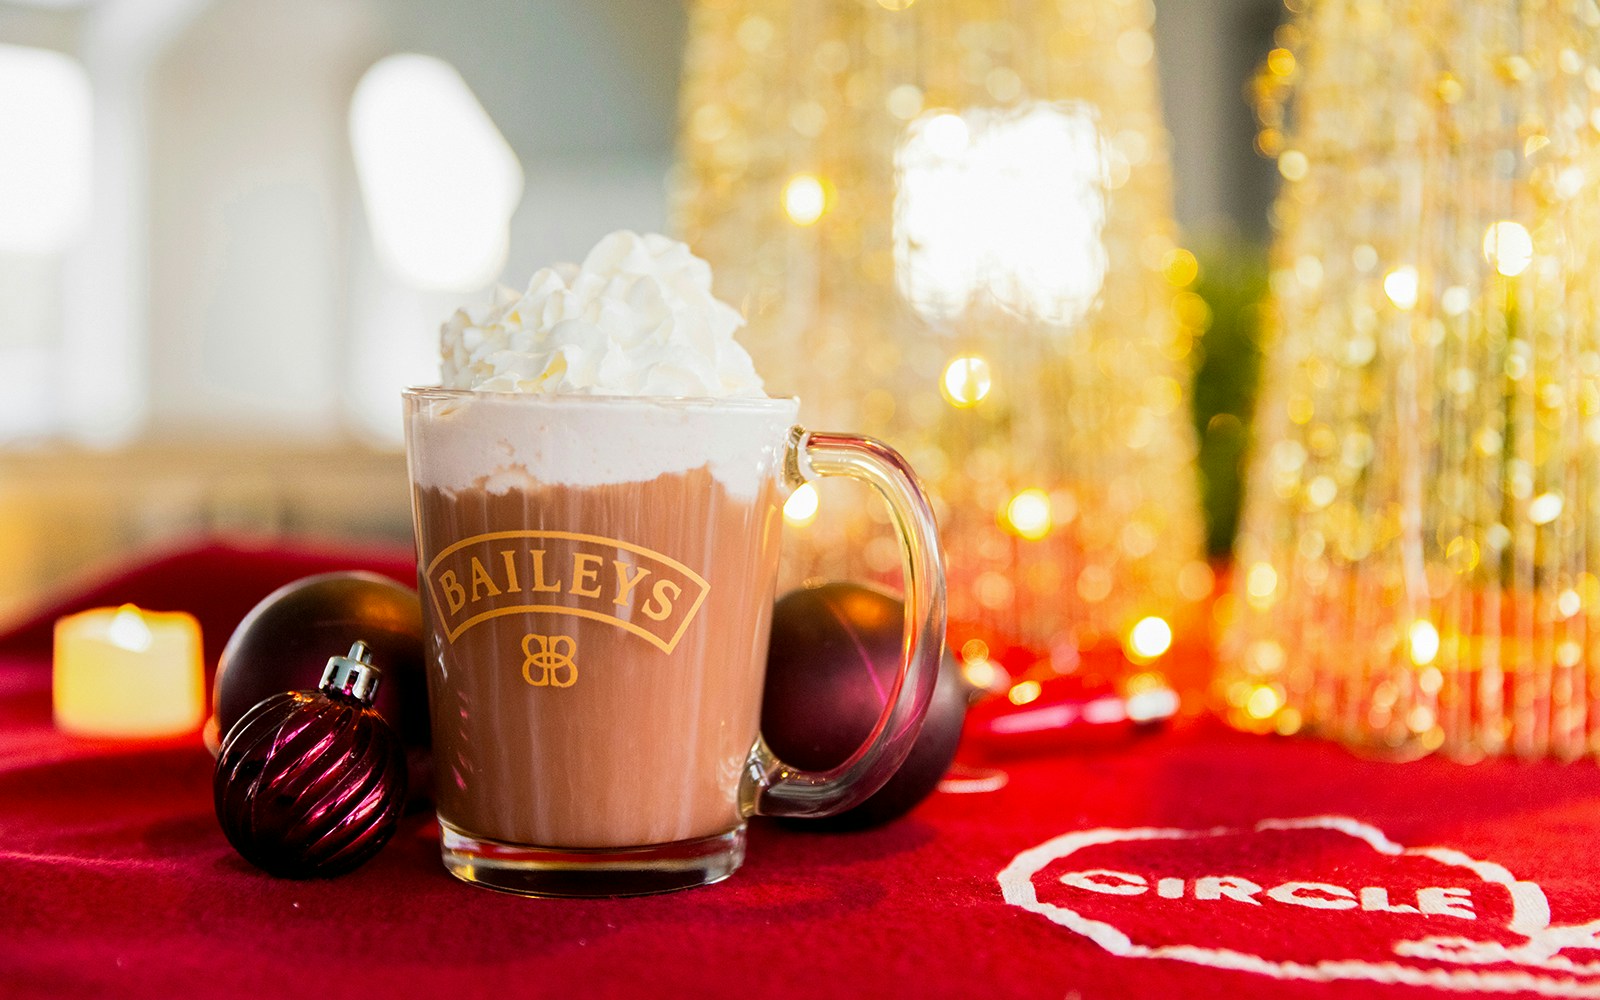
[1416, 567]
[948, 225]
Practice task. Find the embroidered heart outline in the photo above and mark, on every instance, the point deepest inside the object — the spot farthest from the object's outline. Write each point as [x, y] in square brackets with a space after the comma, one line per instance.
[1530, 919]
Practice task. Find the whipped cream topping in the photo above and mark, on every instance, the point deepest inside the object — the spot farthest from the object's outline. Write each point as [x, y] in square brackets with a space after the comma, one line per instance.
[636, 318]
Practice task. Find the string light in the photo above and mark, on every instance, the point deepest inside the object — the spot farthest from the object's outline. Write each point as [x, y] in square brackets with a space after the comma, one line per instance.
[966, 381]
[1261, 581]
[1414, 526]
[1424, 642]
[804, 199]
[1263, 702]
[1150, 638]
[1006, 204]
[1401, 287]
[1028, 514]
[1181, 267]
[946, 225]
[1293, 165]
[1024, 692]
[982, 675]
[1545, 507]
[1508, 247]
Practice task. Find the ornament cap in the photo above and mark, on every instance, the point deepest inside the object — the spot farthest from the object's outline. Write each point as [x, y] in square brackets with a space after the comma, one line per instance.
[352, 675]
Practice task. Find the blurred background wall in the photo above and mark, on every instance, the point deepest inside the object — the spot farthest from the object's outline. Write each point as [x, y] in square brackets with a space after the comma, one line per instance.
[205, 321]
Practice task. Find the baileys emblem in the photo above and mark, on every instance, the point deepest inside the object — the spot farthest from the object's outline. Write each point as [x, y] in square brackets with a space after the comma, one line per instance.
[564, 573]
[552, 656]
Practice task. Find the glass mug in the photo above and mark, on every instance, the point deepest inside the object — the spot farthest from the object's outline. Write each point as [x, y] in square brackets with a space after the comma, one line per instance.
[597, 577]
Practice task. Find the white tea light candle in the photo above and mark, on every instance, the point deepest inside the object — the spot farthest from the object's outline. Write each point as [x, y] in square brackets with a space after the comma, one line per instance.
[124, 672]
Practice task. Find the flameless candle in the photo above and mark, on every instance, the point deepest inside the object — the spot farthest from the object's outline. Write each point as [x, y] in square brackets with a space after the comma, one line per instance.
[123, 672]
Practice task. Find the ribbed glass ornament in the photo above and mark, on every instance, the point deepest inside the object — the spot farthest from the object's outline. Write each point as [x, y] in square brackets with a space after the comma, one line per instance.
[312, 783]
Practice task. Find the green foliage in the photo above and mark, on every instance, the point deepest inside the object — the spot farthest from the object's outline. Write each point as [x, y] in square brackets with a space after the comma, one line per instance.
[1227, 365]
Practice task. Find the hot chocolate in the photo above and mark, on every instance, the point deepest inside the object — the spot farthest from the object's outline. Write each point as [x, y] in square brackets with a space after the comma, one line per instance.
[596, 487]
[597, 657]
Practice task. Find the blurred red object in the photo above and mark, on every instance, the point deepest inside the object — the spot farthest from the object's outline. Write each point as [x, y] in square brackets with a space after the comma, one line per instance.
[1041, 701]
[1073, 711]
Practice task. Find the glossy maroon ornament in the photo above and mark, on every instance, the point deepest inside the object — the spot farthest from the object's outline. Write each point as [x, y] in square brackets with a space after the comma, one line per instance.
[835, 653]
[282, 644]
[312, 783]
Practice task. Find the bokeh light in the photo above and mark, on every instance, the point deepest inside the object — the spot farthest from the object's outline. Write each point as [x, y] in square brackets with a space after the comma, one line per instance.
[1150, 637]
[1401, 287]
[1508, 247]
[1023, 692]
[804, 199]
[45, 121]
[966, 382]
[1263, 701]
[1028, 514]
[1424, 641]
[439, 180]
[1009, 204]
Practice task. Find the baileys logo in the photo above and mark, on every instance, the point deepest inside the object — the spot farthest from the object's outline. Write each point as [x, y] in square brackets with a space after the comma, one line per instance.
[561, 572]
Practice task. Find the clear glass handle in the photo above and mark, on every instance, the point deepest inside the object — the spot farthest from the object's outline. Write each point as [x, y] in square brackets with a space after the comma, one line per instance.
[773, 787]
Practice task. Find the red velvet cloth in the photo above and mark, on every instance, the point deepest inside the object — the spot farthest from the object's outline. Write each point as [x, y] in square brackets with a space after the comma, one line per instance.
[116, 881]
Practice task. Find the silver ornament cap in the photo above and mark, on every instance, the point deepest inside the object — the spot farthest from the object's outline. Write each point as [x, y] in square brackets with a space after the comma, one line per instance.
[352, 675]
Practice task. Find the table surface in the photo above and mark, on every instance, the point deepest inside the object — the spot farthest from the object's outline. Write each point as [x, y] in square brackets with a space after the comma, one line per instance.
[1193, 862]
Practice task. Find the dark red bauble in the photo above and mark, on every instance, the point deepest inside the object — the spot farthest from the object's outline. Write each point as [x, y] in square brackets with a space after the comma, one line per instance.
[835, 651]
[311, 783]
[283, 643]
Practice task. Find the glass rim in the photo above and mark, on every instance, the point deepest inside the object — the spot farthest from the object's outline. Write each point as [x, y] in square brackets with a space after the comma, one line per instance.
[599, 399]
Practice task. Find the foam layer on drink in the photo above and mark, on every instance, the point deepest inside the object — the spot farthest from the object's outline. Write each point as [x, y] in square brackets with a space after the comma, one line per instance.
[499, 442]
